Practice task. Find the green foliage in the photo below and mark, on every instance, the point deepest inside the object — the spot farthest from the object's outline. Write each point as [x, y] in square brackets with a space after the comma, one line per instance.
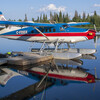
[25, 20]
[60, 17]
[64, 18]
[76, 17]
[20, 20]
[33, 19]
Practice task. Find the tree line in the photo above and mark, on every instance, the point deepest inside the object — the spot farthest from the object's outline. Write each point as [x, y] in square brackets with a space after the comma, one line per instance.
[64, 18]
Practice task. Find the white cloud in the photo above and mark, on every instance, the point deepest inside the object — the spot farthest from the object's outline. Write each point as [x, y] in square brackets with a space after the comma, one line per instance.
[31, 8]
[52, 7]
[96, 5]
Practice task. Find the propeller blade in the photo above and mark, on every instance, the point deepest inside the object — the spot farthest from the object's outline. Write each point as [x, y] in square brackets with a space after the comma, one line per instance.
[95, 28]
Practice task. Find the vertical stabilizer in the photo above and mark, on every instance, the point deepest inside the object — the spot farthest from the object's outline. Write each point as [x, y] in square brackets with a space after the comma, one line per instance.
[2, 18]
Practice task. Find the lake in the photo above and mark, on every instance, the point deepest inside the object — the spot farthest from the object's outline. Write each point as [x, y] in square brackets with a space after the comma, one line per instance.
[72, 90]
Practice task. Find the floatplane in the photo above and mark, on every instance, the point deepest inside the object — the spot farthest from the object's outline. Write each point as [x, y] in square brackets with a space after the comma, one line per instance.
[54, 34]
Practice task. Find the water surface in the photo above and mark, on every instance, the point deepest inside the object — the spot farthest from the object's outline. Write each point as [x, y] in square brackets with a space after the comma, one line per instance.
[70, 91]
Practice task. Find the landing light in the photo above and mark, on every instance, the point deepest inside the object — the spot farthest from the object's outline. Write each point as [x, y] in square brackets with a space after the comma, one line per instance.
[90, 33]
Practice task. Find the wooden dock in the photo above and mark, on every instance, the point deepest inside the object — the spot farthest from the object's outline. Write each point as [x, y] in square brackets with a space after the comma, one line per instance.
[28, 92]
[26, 58]
[2, 61]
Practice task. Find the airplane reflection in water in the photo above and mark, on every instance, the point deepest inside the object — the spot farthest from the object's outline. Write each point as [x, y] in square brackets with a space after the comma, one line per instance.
[62, 72]
[67, 74]
[58, 75]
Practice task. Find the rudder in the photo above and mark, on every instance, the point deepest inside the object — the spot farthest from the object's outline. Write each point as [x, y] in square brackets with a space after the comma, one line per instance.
[2, 18]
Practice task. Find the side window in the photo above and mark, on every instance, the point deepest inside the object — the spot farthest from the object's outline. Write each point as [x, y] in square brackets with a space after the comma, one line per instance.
[50, 30]
[32, 31]
[42, 30]
[54, 30]
[46, 30]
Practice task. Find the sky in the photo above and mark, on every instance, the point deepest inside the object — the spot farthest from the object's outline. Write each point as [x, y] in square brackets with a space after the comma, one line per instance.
[16, 9]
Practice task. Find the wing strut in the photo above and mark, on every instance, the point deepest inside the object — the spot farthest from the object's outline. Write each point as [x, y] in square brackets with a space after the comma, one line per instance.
[41, 33]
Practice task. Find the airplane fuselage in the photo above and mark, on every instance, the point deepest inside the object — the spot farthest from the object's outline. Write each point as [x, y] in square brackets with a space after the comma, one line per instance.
[61, 32]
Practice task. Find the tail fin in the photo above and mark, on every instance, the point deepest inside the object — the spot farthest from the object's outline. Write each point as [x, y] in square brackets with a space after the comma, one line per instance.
[2, 18]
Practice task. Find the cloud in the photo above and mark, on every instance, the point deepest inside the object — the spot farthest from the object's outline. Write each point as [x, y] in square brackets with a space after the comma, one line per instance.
[52, 7]
[96, 5]
[31, 8]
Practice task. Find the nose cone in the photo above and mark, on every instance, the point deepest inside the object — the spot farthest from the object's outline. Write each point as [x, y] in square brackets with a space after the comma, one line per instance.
[91, 34]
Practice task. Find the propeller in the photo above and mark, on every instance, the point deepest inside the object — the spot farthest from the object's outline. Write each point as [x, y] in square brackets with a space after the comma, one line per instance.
[95, 28]
[96, 37]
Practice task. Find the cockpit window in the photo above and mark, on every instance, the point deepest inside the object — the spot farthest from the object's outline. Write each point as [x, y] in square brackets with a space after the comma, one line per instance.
[65, 26]
[62, 29]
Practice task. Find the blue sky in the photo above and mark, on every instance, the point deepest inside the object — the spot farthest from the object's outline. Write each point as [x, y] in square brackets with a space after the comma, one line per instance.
[16, 9]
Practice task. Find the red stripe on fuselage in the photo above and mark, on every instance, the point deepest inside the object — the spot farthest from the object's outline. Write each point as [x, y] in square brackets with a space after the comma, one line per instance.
[85, 34]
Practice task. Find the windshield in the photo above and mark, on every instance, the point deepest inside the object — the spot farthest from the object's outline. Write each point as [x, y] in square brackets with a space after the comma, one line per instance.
[65, 26]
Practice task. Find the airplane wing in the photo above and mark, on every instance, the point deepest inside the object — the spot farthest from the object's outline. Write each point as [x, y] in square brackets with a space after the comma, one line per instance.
[26, 24]
[40, 24]
[78, 23]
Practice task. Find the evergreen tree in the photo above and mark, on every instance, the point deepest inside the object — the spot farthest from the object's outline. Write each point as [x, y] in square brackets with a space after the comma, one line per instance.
[88, 18]
[79, 17]
[14, 20]
[84, 17]
[66, 18]
[95, 13]
[51, 17]
[9, 20]
[95, 19]
[33, 19]
[25, 20]
[60, 17]
[38, 19]
[41, 18]
[55, 17]
[20, 20]
[44, 18]
[76, 18]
